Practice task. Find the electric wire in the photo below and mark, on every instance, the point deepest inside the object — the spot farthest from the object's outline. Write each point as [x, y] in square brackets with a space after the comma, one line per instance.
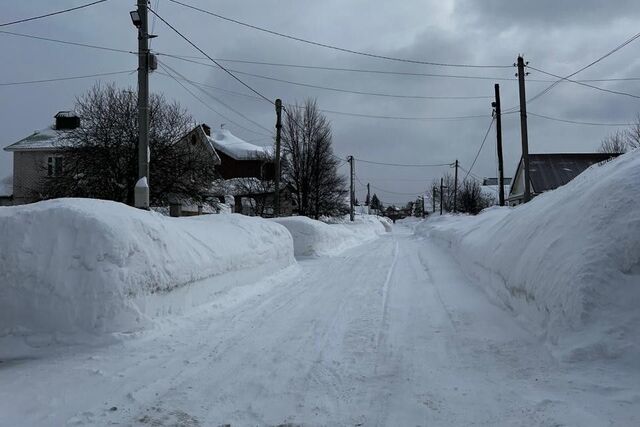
[210, 58]
[220, 101]
[26, 82]
[480, 149]
[66, 42]
[615, 92]
[46, 15]
[334, 89]
[328, 46]
[209, 107]
[577, 122]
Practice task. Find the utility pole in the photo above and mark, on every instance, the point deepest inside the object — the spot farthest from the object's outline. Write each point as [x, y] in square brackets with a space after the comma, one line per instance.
[351, 192]
[276, 186]
[368, 195]
[455, 189]
[424, 211]
[141, 191]
[441, 188]
[523, 129]
[498, 116]
[433, 198]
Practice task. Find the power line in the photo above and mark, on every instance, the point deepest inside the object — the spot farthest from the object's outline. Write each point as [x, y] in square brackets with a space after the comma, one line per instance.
[586, 84]
[26, 82]
[373, 71]
[33, 18]
[592, 63]
[577, 122]
[373, 116]
[206, 104]
[404, 164]
[480, 149]
[328, 46]
[221, 102]
[396, 192]
[92, 46]
[210, 58]
[334, 89]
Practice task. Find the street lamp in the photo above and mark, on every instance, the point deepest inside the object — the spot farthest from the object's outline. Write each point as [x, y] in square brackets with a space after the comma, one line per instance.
[135, 18]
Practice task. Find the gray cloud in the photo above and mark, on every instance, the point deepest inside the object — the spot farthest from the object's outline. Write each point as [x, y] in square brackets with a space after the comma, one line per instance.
[558, 37]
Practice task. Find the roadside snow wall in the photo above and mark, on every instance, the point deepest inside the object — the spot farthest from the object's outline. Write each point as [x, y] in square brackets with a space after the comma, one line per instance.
[316, 238]
[567, 263]
[82, 265]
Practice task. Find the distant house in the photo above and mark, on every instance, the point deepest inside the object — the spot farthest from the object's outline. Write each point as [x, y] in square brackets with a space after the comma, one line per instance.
[38, 156]
[6, 191]
[491, 188]
[241, 159]
[550, 171]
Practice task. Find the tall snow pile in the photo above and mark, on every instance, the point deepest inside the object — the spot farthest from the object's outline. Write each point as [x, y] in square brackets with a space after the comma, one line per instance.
[82, 265]
[567, 263]
[316, 238]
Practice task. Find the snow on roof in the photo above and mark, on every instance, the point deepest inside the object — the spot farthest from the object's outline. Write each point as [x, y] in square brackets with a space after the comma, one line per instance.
[44, 139]
[234, 147]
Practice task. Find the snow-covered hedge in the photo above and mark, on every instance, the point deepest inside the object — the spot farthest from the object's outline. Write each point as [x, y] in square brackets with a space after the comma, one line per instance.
[567, 263]
[317, 238]
[82, 265]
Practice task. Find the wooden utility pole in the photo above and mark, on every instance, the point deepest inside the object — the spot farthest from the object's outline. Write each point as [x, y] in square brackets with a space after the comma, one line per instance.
[276, 184]
[368, 195]
[441, 188]
[523, 129]
[433, 198]
[351, 191]
[498, 115]
[455, 189]
[141, 190]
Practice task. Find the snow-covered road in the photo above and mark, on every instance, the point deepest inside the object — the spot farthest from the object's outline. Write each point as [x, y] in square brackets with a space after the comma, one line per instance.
[390, 333]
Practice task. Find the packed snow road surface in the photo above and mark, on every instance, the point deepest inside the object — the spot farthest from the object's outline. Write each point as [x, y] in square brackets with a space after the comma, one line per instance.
[390, 333]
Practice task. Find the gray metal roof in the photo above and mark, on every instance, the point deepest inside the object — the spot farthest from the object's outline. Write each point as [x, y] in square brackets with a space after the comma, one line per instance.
[550, 171]
[44, 139]
[494, 181]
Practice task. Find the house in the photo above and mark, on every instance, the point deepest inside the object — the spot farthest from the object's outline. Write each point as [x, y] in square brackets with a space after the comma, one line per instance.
[38, 156]
[6, 191]
[491, 188]
[241, 159]
[550, 171]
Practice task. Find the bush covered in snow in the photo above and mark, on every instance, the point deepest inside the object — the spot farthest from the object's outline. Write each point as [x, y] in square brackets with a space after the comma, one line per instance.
[317, 238]
[568, 262]
[82, 265]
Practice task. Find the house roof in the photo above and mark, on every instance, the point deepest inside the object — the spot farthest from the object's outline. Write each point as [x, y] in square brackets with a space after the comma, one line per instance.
[236, 148]
[494, 181]
[550, 171]
[44, 140]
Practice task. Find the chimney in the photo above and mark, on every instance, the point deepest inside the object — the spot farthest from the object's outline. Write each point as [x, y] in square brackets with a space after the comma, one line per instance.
[66, 120]
[207, 129]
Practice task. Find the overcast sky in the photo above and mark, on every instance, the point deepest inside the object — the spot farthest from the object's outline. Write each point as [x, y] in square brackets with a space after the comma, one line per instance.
[554, 35]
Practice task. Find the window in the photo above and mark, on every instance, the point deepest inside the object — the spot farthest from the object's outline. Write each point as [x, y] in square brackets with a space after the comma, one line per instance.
[54, 166]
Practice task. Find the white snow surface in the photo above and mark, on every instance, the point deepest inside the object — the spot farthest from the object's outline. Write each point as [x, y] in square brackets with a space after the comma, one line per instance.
[567, 263]
[317, 238]
[89, 266]
[226, 142]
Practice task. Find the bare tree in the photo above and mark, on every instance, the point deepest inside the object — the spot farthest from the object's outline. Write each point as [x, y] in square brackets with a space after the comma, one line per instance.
[471, 199]
[308, 165]
[100, 156]
[614, 143]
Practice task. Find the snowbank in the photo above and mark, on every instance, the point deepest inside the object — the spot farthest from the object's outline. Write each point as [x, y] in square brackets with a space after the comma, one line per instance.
[316, 238]
[91, 266]
[567, 263]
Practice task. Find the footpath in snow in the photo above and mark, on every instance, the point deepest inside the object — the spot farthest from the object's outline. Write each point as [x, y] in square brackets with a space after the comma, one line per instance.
[567, 263]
